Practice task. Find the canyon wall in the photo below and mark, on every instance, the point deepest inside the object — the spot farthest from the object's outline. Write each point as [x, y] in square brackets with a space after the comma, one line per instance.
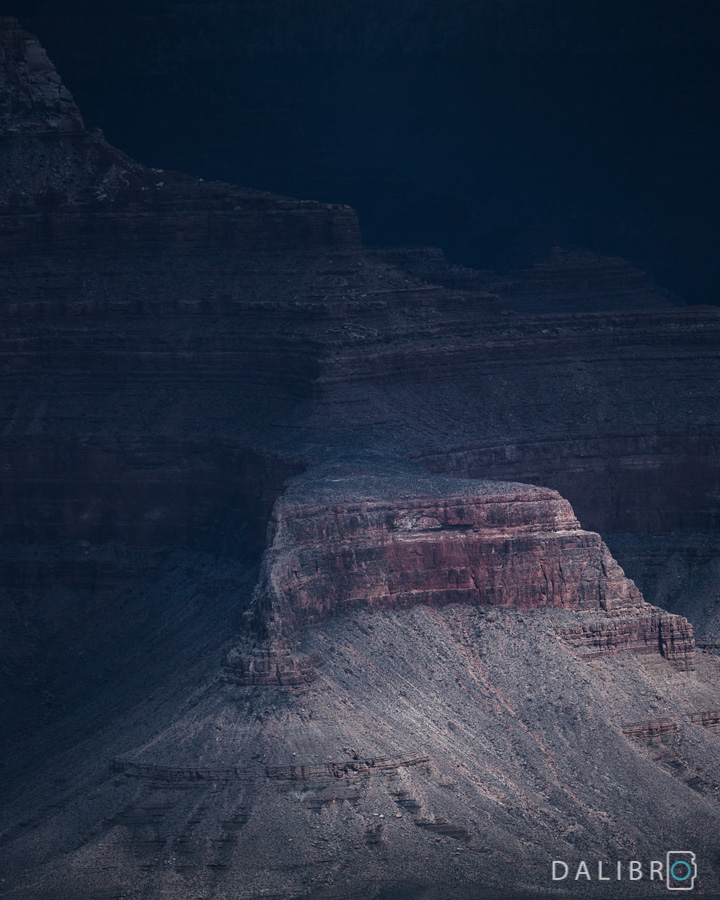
[173, 350]
[210, 396]
[342, 544]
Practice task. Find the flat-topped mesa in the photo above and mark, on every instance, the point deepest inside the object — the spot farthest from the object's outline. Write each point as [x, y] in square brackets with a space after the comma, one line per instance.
[63, 187]
[389, 542]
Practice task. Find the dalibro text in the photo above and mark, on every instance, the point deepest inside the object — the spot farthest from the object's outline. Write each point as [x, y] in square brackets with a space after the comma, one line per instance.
[632, 870]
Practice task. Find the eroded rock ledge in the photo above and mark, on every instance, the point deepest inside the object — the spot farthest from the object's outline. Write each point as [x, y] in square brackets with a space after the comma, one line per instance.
[342, 541]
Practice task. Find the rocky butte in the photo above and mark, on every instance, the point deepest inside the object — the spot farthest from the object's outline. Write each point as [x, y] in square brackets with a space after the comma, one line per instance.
[341, 544]
[294, 603]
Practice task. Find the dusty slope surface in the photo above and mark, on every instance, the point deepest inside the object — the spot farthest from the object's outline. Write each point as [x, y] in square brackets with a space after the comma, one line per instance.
[173, 353]
[497, 750]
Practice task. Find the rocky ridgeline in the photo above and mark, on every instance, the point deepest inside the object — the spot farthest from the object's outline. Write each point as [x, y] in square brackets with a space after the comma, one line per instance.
[65, 188]
[342, 543]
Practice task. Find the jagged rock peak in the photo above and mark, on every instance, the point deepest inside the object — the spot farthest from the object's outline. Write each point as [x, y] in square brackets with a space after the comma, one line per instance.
[33, 99]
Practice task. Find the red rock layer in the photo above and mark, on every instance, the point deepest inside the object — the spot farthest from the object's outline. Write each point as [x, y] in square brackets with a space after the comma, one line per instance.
[651, 732]
[647, 633]
[387, 543]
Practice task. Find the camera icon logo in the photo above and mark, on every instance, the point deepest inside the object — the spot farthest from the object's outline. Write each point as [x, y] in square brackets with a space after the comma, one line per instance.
[681, 870]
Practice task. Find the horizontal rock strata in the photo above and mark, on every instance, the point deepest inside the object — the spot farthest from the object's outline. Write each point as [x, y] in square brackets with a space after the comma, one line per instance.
[651, 732]
[709, 719]
[656, 631]
[565, 281]
[268, 666]
[342, 544]
[353, 768]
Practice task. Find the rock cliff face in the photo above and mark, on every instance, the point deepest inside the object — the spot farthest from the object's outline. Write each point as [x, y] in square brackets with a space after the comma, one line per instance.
[33, 99]
[342, 544]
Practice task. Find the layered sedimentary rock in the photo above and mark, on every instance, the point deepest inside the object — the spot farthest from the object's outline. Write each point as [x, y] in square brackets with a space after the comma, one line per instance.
[200, 346]
[343, 543]
[651, 732]
[195, 312]
[164, 378]
[654, 631]
[616, 412]
[567, 281]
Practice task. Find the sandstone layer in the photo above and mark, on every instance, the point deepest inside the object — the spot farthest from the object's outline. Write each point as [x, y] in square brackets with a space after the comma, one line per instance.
[340, 542]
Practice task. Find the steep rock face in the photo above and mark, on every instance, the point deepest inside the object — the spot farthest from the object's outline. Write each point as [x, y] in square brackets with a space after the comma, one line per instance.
[343, 543]
[33, 99]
